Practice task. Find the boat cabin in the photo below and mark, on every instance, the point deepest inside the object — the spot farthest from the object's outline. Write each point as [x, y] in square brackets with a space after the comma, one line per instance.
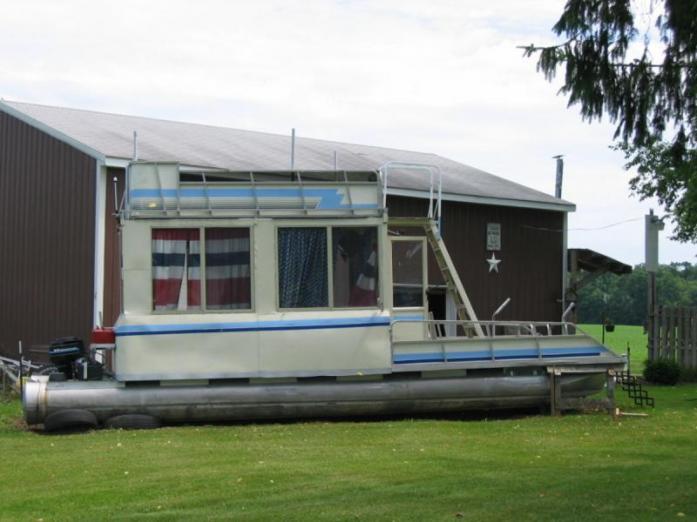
[238, 275]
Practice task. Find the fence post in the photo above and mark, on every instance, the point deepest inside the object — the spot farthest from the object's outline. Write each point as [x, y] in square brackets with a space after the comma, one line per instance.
[21, 372]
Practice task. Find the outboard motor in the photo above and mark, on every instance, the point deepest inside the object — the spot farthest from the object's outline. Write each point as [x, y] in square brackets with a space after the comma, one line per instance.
[86, 370]
[63, 352]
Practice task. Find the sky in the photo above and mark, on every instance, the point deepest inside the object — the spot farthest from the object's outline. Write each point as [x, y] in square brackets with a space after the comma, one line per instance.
[433, 76]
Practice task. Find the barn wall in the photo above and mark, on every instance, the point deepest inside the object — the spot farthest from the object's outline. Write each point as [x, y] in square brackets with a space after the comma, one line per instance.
[531, 252]
[47, 202]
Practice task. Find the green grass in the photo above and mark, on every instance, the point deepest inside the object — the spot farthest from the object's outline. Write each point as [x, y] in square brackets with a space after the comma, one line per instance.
[577, 467]
[623, 336]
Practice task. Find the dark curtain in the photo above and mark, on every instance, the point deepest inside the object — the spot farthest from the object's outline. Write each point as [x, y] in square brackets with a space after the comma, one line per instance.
[302, 267]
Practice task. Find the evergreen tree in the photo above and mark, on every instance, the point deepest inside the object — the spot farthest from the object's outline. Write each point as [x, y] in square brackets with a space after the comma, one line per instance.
[611, 68]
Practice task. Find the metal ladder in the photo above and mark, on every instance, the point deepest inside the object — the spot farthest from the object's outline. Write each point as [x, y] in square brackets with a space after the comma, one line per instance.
[465, 311]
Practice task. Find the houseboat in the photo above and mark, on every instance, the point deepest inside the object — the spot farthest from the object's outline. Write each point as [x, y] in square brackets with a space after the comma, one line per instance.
[273, 295]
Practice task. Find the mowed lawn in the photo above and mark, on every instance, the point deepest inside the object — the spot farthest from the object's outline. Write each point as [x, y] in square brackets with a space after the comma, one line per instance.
[531, 467]
[620, 339]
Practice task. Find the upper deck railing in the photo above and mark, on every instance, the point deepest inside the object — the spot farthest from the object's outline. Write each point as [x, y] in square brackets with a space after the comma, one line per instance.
[435, 185]
[167, 190]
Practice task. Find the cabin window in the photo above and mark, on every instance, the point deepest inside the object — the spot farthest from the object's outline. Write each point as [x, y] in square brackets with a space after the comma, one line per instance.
[228, 282]
[355, 266]
[407, 273]
[302, 267]
[177, 271]
[176, 260]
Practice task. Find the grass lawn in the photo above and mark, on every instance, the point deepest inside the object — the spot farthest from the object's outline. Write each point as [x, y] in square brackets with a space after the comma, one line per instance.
[623, 336]
[577, 467]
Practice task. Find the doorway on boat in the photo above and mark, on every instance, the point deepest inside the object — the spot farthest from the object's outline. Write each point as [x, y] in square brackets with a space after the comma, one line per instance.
[409, 284]
[441, 307]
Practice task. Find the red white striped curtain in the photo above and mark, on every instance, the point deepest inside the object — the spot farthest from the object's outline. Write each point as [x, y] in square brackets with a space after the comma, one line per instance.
[176, 263]
[364, 292]
[228, 283]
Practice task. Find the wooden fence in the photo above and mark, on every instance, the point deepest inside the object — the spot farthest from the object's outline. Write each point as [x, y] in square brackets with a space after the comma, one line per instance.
[673, 335]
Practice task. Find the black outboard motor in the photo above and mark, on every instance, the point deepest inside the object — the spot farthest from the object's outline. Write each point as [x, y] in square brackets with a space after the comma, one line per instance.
[86, 370]
[63, 352]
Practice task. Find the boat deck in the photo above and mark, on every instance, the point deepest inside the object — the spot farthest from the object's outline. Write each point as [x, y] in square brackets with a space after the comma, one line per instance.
[532, 345]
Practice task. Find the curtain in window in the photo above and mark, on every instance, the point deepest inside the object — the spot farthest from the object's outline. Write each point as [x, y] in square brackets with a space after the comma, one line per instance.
[364, 292]
[176, 269]
[228, 284]
[302, 267]
[355, 266]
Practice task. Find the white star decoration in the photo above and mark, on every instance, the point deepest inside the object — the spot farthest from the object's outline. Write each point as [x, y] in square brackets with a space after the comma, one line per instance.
[493, 263]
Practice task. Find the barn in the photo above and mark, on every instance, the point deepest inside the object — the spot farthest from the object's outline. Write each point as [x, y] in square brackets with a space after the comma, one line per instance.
[60, 169]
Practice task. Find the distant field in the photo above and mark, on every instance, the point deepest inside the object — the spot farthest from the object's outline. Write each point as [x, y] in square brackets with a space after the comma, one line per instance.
[618, 340]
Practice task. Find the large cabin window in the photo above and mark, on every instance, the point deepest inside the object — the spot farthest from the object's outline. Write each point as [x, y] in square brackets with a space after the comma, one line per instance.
[177, 270]
[308, 277]
[176, 260]
[302, 267]
[228, 282]
[355, 266]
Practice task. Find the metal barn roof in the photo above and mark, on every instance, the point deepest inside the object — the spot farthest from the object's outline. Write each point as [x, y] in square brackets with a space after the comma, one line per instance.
[111, 137]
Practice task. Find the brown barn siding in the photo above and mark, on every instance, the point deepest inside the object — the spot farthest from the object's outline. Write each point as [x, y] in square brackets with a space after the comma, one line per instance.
[531, 252]
[46, 237]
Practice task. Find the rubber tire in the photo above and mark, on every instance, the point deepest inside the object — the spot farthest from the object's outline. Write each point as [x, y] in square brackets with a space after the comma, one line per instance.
[70, 420]
[133, 421]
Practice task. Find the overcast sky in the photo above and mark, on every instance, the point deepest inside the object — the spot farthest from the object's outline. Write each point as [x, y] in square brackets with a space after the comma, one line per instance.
[432, 76]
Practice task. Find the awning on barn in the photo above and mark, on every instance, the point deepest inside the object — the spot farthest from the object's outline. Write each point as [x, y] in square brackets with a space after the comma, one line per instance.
[585, 265]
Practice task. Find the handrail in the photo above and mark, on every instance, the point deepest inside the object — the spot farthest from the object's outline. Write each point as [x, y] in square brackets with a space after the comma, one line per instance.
[497, 312]
[523, 328]
[434, 211]
[566, 313]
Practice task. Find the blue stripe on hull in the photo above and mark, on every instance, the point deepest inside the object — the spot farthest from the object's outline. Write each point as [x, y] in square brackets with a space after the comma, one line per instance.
[252, 326]
[524, 353]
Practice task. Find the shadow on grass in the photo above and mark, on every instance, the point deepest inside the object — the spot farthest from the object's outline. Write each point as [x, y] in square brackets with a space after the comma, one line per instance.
[467, 416]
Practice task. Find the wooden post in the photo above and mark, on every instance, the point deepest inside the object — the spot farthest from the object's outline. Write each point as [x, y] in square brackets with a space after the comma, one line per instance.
[611, 392]
[693, 338]
[651, 311]
[554, 391]
[652, 225]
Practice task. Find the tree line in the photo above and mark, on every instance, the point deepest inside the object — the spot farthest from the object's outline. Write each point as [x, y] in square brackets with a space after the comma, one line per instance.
[622, 299]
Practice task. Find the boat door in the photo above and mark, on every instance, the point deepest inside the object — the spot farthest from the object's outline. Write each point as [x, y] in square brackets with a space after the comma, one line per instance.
[409, 284]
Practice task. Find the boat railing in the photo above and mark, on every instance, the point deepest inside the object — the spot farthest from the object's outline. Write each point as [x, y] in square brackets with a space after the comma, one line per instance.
[435, 184]
[458, 329]
[158, 189]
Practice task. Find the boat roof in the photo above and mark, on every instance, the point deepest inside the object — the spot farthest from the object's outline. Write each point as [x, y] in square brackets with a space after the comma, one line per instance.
[109, 137]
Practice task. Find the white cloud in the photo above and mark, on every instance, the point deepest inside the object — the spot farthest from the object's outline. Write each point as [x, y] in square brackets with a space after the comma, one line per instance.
[438, 76]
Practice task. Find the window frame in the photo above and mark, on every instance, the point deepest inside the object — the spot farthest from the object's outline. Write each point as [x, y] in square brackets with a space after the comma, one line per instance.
[330, 269]
[424, 271]
[202, 275]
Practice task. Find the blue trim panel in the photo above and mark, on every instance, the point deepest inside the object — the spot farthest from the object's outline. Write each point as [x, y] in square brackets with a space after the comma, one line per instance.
[485, 355]
[252, 326]
[328, 198]
[409, 318]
